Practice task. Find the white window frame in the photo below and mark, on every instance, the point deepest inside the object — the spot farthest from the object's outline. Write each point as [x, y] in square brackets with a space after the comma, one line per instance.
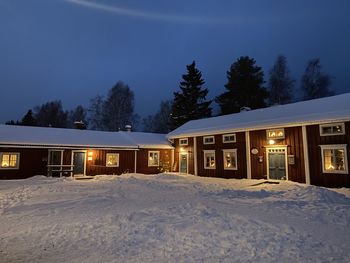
[226, 135]
[112, 165]
[275, 137]
[149, 155]
[234, 151]
[335, 147]
[17, 160]
[49, 156]
[332, 125]
[207, 137]
[204, 158]
[183, 139]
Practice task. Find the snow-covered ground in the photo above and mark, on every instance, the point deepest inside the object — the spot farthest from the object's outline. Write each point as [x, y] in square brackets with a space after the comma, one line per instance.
[171, 218]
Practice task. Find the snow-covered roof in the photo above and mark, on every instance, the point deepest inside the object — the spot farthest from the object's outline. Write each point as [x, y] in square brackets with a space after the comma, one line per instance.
[324, 110]
[57, 137]
[148, 140]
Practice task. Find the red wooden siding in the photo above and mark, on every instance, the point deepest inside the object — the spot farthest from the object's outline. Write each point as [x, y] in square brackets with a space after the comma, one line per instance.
[317, 177]
[186, 148]
[164, 161]
[32, 162]
[98, 163]
[293, 140]
[219, 171]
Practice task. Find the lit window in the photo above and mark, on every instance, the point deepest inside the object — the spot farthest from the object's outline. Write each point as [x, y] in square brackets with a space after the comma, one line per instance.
[275, 134]
[209, 159]
[112, 159]
[332, 129]
[9, 160]
[208, 140]
[226, 138]
[230, 159]
[153, 158]
[334, 159]
[183, 142]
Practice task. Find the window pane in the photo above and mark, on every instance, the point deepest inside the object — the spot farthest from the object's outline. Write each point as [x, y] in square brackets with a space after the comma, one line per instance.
[339, 160]
[229, 138]
[334, 159]
[112, 159]
[326, 130]
[13, 160]
[208, 140]
[229, 160]
[327, 153]
[153, 158]
[209, 160]
[5, 162]
[55, 157]
[338, 129]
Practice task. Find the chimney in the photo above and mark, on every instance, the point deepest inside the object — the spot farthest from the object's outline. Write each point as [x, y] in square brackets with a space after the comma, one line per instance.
[245, 108]
[80, 125]
[128, 128]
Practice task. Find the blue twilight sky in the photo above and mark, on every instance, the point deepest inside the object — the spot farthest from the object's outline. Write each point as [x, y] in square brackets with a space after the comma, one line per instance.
[73, 50]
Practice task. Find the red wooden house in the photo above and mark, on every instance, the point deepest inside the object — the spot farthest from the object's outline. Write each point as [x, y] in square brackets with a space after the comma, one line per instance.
[29, 151]
[306, 142]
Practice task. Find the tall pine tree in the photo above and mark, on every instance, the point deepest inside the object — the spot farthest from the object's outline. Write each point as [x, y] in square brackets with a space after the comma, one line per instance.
[28, 119]
[280, 83]
[244, 87]
[314, 83]
[190, 103]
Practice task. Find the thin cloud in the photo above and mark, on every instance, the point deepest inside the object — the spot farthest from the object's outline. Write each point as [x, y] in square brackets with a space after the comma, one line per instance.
[149, 15]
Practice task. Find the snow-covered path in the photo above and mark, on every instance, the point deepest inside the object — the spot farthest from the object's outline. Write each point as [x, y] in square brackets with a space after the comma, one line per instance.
[170, 218]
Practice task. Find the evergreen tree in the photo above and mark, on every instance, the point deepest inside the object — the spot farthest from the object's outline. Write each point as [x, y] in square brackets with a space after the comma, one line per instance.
[314, 83]
[244, 87]
[280, 83]
[51, 114]
[118, 109]
[190, 103]
[28, 119]
[159, 123]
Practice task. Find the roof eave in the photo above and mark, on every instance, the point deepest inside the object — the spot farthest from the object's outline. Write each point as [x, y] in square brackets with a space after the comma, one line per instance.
[257, 127]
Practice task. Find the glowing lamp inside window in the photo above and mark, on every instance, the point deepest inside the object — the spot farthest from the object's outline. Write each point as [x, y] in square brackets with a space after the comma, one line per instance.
[275, 134]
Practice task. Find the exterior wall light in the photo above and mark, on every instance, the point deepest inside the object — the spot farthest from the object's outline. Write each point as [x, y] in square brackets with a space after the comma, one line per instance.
[90, 154]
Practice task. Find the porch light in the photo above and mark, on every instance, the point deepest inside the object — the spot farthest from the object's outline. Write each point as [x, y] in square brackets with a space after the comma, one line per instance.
[182, 149]
[90, 154]
[271, 142]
